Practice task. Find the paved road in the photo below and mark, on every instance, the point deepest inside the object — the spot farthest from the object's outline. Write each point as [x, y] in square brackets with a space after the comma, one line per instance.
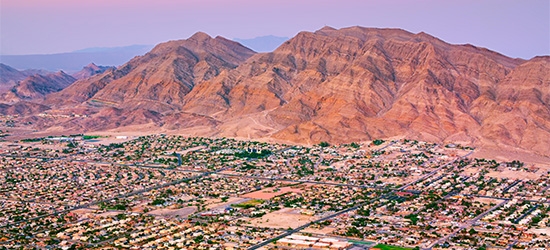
[300, 228]
[115, 197]
[296, 181]
[467, 224]
[203, 174]
[526, 213]
[511, 245]
[490, 197]
[505, 190]
[426, 176]
[45, 159]
[34, 157]
[289, 232]
[316, 165]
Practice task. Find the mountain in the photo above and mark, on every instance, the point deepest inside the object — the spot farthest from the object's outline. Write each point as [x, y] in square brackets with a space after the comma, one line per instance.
[37, 87]
[22, 108]
[74, 61]
[358, 84]
[10, 76]
[344, 85]
[111, 118]
[160, 79]
[262, 43]
[519, 114]
[90, 70]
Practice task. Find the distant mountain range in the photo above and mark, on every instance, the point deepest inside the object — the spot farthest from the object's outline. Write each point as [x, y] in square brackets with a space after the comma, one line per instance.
[262, 43]
[344, 85]
[37, 86]
[10, 76]
[74, 61]
[33, 85]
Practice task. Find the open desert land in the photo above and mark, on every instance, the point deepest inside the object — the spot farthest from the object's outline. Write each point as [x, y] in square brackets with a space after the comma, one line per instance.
[257, 146]
[179, 213]
[284, 218]
[516, 174]
[275, 125]
[269, 193]
[214, 204]
[504, 153]
[221, 187]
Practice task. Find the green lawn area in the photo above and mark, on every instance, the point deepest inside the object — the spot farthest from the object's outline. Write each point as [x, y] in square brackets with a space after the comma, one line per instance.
[90, 137]
[249, 204]
[360, 242]
[388, 247]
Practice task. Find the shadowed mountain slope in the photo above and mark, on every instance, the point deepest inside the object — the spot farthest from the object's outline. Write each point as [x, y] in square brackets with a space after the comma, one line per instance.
[330, 85]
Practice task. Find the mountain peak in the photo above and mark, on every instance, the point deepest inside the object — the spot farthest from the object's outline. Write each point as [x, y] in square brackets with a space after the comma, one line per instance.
[350, 84]
[92, 66]
[7, 68]
[200, 36]
[62, 73]
[327, 28]
[428, 37]
[90, 70]
[160, 79]
[37, 86]
[263, 43]
[10, 75]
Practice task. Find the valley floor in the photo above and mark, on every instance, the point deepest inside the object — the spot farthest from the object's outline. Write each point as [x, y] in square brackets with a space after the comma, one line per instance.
[131, 190]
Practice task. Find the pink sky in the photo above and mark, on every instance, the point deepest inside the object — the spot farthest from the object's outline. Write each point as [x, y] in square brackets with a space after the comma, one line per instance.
[514, 28]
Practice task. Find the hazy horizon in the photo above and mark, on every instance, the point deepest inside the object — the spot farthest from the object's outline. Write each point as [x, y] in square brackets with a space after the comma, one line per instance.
[513, 28]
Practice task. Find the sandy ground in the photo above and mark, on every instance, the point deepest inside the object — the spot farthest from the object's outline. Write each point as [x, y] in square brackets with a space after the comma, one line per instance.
[283, 218]
[514, 175]
[545, 230]
[138, 208]
[323, 231]
[399, 180]
[192, 149]
[510, 154]
[83, 211]
[107, 141]
[487, 200]
[268, 193]
[58, 145]
[182, 212]
[110, 213]
[18, 133]
[216, 203]
[470, 171]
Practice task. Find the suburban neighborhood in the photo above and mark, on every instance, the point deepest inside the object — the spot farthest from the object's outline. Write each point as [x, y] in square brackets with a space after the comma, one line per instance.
[173, 192]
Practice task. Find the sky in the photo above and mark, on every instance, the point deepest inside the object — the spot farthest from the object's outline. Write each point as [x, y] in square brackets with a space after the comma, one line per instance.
[516, 28]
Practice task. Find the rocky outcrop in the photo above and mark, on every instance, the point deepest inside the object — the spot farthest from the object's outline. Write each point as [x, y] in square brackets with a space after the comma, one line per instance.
[343, 85]
[160, 79]
[91, 70]
[36, 87]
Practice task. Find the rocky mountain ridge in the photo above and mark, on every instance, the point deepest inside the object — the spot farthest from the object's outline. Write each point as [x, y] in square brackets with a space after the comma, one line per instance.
[36, 87]
[343, 85]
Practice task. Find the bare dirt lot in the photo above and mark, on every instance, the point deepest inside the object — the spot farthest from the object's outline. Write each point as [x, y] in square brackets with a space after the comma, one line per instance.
[514, 175]
[268, 193]
[487, 200]
[323, 231]
[182, 212]
[510, 154]
[284, 218]
[217, 203]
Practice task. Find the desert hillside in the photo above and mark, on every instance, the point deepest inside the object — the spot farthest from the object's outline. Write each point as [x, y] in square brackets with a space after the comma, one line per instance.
[343, 85]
